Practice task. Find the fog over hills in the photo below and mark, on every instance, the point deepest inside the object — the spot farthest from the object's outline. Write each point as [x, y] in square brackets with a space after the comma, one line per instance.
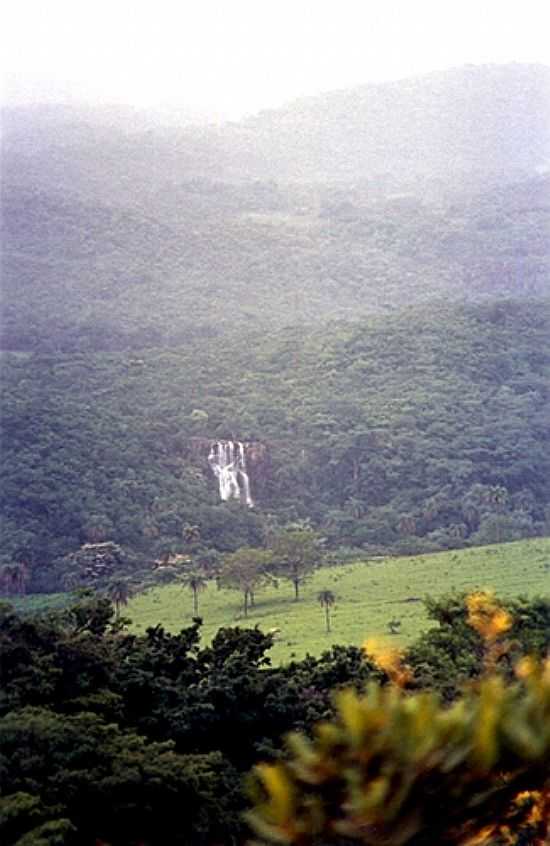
[121, 231]
[466, 122]
[284, 375]
[359, 282]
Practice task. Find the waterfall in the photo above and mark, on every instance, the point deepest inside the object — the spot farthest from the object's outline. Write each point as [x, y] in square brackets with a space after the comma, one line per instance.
[244, 477]
[228, 462]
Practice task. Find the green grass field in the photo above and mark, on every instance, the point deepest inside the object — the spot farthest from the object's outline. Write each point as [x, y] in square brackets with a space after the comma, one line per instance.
[368, 595]
[37, 602]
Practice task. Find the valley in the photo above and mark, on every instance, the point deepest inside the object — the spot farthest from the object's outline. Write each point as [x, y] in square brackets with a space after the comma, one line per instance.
[275, 465]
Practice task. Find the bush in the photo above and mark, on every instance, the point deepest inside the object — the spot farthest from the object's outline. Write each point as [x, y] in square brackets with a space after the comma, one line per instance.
[398, 769]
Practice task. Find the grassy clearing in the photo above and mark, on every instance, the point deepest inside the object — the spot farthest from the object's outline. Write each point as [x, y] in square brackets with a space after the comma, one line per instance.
[37, 602]
[368, 595]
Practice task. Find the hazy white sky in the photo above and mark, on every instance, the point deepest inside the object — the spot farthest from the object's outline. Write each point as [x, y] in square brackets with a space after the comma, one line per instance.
[239, 55]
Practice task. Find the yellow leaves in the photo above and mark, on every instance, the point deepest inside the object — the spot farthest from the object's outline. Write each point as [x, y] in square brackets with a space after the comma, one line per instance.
[374, 794]
[491, 699]
[528, 815]
[491, 621]
[486, 616]
[356, 718]
[481, 837]
[389, 659]
[350, 712]
[279, 790]
[309, 763]
[394, 763]
[535, 675]
[422, 712]
[536, 800]
[501, 622]
[525, 667]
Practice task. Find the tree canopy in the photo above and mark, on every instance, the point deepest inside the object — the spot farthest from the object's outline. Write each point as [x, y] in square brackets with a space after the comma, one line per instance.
[384, 439]
[107, 735]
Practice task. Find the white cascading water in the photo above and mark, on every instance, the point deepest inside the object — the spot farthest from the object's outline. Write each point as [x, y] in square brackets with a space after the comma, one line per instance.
[228, 462]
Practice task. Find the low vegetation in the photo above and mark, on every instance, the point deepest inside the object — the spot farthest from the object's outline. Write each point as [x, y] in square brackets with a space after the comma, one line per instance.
[398, 769]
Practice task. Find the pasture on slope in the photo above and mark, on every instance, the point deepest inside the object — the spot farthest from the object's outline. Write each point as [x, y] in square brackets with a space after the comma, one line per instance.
[369, 594]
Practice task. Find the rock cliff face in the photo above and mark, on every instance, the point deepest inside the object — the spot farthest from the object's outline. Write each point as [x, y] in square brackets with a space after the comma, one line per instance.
[240, 468]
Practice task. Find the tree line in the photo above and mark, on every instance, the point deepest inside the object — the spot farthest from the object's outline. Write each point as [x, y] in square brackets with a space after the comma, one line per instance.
[113, 737]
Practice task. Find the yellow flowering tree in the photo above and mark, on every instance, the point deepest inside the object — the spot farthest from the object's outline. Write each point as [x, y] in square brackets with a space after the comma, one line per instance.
[395, 768]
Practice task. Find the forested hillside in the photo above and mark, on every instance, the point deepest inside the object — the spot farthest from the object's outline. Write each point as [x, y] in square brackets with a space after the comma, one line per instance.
[472, 126]
[469, 125]
[424, 430]
[294, 281]
[123, 235]
[81, 276]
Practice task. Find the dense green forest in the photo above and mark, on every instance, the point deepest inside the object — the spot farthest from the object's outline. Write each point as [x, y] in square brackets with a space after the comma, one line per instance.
[385, 438]
[206, 258]
[108, 737]
[120, 234]
[356, 283]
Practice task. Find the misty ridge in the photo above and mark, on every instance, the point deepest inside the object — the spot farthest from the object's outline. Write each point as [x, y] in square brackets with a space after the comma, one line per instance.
[334, 206]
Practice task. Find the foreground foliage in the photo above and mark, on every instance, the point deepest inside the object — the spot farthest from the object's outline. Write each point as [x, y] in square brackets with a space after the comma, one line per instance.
[113, 737]
[398, 769]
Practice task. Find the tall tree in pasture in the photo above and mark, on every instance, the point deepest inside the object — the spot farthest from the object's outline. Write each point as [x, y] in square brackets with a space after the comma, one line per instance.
[326, 600]
[196, 584]
[246, 570]
[295, 555]
[119, 592]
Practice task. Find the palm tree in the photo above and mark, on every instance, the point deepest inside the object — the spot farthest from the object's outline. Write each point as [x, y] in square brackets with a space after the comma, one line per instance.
[195, 582]
[326, 600]
[119, 592]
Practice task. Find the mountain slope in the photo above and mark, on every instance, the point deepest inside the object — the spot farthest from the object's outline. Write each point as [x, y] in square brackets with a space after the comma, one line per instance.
[474, 124]
[471, 124]
[88, 276]
[118, 236]
[423, 430]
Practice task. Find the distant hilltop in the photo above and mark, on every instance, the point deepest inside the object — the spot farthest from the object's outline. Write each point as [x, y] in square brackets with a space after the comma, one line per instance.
[123, 234]
[448, 124]
[471, 121]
